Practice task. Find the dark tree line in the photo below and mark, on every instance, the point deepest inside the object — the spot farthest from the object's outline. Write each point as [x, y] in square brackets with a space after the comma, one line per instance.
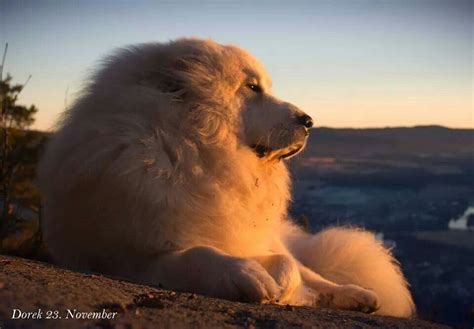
[19, 154]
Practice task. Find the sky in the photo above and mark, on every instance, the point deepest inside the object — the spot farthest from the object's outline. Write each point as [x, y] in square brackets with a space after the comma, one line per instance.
[347, 63]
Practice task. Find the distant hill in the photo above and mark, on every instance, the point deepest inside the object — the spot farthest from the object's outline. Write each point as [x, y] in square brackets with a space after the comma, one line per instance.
[391, 142]
[388, 156]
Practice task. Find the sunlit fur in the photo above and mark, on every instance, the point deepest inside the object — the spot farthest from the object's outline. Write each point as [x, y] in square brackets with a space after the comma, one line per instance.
[152, 176]
[354, 256]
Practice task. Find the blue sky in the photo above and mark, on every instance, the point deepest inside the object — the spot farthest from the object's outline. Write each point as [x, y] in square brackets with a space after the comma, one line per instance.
[354, 63]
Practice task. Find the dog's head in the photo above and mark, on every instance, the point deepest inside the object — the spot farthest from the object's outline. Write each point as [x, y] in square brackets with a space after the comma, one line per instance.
[275, 129]
[224, 91]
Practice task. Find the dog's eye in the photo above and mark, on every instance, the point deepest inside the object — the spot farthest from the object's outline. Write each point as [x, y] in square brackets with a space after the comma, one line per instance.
[255, 88]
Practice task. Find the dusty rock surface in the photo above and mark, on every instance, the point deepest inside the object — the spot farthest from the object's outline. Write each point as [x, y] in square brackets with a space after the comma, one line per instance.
[61, 294]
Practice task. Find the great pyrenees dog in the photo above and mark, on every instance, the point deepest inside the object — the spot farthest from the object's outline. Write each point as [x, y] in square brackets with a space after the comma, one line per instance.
[170, 170]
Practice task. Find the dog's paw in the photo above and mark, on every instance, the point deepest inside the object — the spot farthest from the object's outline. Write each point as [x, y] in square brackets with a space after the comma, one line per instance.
[246, 280]
[350, 297]
[284, 271]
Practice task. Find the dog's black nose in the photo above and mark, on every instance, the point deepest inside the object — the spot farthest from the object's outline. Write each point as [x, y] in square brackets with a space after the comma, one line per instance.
[305, 120]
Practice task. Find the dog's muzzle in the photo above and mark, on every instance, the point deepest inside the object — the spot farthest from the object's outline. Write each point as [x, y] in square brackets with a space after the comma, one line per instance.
[287, 150]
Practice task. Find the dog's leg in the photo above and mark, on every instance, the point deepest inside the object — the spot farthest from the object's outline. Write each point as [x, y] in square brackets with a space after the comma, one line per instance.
[332, 295]
[209, 271]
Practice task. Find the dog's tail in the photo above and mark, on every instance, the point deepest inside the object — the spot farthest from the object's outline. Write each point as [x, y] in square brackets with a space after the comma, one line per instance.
[353, 256]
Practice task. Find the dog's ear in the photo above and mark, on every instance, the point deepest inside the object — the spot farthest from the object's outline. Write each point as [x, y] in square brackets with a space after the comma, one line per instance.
[166, 80]
[178, 77]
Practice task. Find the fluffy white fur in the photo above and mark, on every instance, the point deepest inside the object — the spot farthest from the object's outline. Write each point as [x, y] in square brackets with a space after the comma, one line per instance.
[169, 170]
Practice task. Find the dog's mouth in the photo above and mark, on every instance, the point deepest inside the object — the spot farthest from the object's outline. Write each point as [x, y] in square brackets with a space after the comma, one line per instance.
[263, 151]
[292, 152]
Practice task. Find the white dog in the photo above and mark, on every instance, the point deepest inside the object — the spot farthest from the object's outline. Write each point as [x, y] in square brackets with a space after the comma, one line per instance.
[169, 171]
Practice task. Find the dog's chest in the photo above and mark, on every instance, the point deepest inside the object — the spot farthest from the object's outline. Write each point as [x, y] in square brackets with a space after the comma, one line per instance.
[238, 212]
[257, 221]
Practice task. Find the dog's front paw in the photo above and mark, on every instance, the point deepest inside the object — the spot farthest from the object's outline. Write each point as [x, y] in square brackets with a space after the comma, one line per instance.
[350, 297]
[246, 280]
[284, 271]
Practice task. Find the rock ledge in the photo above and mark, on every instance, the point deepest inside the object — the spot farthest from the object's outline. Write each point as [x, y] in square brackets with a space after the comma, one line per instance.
[65, 296]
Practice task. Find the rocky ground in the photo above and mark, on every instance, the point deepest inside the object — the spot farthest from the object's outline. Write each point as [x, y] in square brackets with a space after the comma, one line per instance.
[56, 298]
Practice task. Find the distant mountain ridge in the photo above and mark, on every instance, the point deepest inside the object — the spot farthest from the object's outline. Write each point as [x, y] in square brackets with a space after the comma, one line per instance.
[419, 141]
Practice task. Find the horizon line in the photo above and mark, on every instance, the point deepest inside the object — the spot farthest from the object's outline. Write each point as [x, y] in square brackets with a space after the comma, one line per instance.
[346, 128]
